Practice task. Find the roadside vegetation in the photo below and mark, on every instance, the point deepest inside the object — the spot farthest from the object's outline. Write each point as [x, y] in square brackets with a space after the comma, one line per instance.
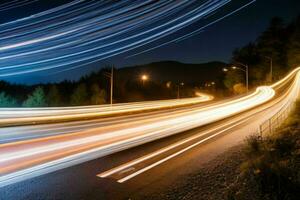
[271, 170]
[279, 44]
[94, 89]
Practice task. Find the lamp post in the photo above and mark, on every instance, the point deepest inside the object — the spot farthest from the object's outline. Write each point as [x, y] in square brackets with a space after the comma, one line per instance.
[244, 70]
[178, 89]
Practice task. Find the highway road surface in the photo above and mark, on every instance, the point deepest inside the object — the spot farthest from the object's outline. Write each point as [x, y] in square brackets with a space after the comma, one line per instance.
[128, 155]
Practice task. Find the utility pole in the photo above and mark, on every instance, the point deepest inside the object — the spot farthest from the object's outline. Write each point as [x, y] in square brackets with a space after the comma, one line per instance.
[111, 85]
[111, 78]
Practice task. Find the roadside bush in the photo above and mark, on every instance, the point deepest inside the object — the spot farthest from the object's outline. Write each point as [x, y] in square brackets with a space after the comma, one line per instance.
[272, 166]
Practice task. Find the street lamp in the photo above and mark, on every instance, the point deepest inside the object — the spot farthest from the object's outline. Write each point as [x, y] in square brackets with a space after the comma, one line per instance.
[178, 89]
[168, 84]
[144, 78]
[244, 70]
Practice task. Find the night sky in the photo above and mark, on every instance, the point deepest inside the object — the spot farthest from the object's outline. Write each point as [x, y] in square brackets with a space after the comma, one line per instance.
[215, 42]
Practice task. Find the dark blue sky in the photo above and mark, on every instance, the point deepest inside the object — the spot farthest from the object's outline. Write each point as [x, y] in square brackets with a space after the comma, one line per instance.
[216, 43]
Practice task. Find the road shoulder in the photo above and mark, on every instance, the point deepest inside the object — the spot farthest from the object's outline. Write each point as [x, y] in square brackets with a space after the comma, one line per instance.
[211, 181]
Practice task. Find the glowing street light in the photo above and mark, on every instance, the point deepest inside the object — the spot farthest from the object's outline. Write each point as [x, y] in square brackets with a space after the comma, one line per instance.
[244, 70]
[144, 78]
[168, 84]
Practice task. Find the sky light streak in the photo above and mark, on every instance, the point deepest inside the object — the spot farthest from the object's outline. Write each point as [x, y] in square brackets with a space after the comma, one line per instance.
[82, 32]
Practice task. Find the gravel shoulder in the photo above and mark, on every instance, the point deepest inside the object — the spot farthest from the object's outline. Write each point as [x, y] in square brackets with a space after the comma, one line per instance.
[212, 181]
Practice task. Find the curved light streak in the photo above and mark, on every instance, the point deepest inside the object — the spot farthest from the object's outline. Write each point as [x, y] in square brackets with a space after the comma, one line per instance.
[19, 116]
[82, 32]
[29, 158]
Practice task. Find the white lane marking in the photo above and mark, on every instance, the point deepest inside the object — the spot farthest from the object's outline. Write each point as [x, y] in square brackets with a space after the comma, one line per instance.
[176, 154]
[127, 170]
[139, 160]
[160, 151]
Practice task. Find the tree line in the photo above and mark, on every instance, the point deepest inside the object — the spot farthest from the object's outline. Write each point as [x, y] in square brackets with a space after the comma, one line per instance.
[280, 43]
[54, 95]
[93, 89]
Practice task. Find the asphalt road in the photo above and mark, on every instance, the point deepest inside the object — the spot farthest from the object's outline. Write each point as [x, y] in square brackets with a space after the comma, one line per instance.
[138, 171]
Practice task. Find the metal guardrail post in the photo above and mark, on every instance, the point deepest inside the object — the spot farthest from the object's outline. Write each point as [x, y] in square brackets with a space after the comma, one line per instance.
[274, 122]
[270, 126]
[260, 131]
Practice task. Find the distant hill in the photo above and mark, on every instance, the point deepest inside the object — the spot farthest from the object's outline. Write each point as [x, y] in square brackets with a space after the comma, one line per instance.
[174, 71]
[127, 84]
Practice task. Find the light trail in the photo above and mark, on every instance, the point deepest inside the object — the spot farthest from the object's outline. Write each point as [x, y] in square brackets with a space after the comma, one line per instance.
[166, 149]
[126, 178]
[291, 95]
[15, 4]
[175, 125]
[82, 32]
[19, 116]
[26, 159]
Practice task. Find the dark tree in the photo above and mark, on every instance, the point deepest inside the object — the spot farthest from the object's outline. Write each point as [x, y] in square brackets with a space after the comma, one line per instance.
[98, 95]
[7, 101]
[232, 78]
[54, 97]
[36, 99]
[80, 95]
[273, 43]
[294, 46]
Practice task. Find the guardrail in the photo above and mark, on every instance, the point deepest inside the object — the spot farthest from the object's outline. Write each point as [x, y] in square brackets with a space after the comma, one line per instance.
[272, 124]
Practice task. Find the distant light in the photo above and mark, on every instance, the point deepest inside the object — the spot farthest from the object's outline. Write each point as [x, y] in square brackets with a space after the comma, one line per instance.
[182, 83]
[144, 77]
[233, 67]
[169, 84]
[225, 69]
[213, 83]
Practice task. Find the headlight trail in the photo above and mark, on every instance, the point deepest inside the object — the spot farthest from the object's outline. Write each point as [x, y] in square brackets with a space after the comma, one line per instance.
[25, 159]
[81, 32]
[19, 116]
